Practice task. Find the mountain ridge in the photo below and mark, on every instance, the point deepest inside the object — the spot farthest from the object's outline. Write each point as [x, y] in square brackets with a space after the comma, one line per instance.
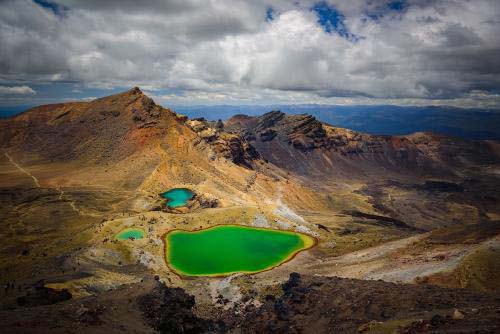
[377, 119]
[305, 133]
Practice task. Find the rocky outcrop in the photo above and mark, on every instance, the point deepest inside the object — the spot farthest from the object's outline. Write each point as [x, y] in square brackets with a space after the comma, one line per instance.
[336, 305]
[302, 304]
[39, 295]
[231, 146]
[198, 201]
[234, 148]
[142, 307]
[148, 113]
[305, 132]
[302, 131]
[169, 310]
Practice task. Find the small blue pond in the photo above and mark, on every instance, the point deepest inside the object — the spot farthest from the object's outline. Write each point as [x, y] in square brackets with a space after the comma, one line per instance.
[177, 197]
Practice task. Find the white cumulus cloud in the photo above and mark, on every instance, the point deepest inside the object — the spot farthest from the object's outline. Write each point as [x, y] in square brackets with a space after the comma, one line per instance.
[16, 90]
[432, 50]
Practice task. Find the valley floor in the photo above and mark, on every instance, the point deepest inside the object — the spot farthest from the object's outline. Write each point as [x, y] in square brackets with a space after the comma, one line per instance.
[61, 236]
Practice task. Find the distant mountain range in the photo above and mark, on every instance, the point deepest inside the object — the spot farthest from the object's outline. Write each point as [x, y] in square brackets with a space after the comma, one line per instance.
[379, 120]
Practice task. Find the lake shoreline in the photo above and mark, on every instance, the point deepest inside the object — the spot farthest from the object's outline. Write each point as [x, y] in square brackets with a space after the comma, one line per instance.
[308, 243]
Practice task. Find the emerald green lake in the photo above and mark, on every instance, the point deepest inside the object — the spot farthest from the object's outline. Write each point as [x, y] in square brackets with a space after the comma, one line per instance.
[177, 197]
[128, 233]
[228, 249]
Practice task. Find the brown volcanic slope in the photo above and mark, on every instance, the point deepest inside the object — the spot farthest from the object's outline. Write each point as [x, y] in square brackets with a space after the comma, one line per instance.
[124, 134]
[419, 165]
[304, 305]
[73, 175]
[302, 144]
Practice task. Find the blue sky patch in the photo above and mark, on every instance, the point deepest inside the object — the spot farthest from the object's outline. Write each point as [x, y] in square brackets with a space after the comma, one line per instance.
[332, 20]
[396, 5]
[269, 14]
[54, 7]
[389, 8]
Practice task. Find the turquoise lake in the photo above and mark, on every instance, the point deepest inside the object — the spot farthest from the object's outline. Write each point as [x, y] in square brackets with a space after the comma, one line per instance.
[177, 197]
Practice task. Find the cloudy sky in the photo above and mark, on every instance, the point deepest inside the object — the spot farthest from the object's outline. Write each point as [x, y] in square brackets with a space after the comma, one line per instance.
[413, 52]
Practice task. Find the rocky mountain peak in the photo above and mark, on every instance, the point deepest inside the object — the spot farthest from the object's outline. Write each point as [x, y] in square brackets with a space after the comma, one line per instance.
[136, 90]
[303, 131]
[103, 128]
[230, 145]
[270, 119]
[133, 92]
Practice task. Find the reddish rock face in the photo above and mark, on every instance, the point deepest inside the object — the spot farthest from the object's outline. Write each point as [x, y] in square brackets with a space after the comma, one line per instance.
[323, 149]
[105, 128]
[231, 146]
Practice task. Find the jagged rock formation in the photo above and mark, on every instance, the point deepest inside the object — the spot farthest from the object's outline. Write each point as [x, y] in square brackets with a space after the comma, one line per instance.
[321, 153]
[170, 310]
[199, 201]
[142, 307]
[325, 305]
[302, 304]
[41, 295]
[228, 145]
[301, 143]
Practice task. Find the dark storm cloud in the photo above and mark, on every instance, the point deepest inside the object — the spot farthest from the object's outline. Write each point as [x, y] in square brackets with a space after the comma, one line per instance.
[171, 6]
[235, 50]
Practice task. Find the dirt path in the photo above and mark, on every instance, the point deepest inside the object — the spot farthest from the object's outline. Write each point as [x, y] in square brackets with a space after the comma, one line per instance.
[71, 202]
[35, 180]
